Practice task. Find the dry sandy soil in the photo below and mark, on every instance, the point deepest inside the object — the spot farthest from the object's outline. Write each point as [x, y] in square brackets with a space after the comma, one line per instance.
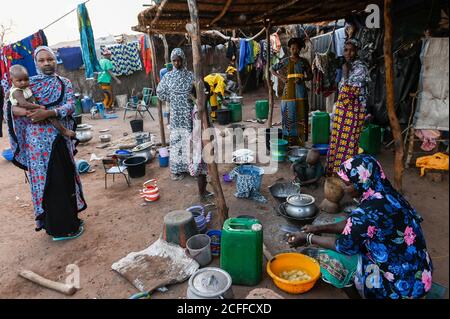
[117, 223]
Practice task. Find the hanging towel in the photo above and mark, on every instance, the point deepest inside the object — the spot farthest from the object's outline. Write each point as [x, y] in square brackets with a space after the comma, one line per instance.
[72, 58]
[87, 42]
[21, 53]
[251, 53]
[339, 40]
[125, 58]
[146, 54]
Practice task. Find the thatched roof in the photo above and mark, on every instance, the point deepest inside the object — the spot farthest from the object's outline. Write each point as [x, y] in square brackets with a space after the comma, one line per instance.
[234, 14]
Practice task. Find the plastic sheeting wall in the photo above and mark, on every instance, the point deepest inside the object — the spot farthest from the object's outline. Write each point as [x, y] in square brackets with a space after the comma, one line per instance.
[432, 105]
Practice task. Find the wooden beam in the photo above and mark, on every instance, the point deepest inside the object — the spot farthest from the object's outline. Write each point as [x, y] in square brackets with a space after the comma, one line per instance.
[158, 13]
[275, 10]
[193, 29]
[390, 97]
[221, 14]
[155, 81]
[269, 83]
[233, 38]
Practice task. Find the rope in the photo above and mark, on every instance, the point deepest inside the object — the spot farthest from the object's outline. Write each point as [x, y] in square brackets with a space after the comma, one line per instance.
[63, 16]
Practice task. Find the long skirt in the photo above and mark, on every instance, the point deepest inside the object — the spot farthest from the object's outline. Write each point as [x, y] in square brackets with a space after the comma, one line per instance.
[347, 126]
[108, 99]
[179, 150]
[295, 121]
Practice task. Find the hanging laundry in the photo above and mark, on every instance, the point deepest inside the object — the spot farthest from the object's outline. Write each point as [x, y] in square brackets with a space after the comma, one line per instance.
[324, 73]
[146, 53]
[125, 58]
[21, 53]
[251, 54]
[87, 42]
[244, 52]
[428, 138]
[339, 40]
[72, 58]
[231, 50]
[275, 43]
[263, 45]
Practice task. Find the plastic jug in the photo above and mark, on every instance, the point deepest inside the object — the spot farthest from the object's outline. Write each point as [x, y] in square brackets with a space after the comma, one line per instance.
[87, 103]
[236, 112]
[370, 140]
[262, 109]
[242, 250]
[320, 128]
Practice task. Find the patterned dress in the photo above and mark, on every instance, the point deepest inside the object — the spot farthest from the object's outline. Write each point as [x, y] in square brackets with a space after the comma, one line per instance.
[175, 88]
[33, 143]
[348, 117]
[384, 231]
[294, 102]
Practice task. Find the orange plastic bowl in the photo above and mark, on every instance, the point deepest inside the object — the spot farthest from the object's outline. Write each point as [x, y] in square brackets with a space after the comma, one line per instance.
[291, 261]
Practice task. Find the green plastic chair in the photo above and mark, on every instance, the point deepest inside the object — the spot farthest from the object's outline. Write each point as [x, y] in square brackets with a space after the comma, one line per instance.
[141, 106]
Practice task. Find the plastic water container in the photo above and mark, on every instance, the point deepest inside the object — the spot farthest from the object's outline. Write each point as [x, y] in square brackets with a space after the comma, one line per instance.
[236, 112]
[370, 140]
[163, 161]
[86, 104]
[320, 128]
[241, 251]
[262, 109]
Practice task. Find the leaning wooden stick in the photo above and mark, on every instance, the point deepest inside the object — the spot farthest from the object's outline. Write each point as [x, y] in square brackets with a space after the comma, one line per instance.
[57, 286]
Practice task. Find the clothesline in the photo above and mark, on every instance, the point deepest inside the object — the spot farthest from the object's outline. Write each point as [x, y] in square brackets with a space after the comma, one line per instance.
[65, 15]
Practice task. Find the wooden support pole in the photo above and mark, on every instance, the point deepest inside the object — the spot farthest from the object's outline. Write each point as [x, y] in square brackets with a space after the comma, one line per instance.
[268, 75]
[193, 29]
[390, 98]
[155, 84]
[236, 65]
[166, 48]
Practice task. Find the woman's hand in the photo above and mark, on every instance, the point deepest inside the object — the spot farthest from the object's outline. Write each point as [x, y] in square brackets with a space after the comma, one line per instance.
[315, 229]
[40, 115]
[297, 239]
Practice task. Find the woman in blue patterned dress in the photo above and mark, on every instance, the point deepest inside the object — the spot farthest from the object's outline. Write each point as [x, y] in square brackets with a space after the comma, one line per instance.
[46, 155]
[383, 231]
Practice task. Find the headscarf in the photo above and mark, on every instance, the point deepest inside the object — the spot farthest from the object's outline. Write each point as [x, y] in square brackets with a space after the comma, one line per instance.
[177, 52]
[353, 42]
[367, 176]
[36, 52]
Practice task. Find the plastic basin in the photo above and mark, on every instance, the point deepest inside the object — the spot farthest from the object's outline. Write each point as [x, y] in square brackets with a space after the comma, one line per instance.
[291, 261]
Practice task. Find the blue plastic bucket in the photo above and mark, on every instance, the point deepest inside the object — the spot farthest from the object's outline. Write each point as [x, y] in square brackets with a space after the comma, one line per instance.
[82, 166]
[163, 161]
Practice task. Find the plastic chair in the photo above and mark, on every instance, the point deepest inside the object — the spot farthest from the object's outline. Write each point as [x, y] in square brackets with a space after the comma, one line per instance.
[141, 106]
[113, 167]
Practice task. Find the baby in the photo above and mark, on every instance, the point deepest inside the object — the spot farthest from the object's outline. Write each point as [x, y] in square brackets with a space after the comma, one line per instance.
[309, 172]
[23, 101]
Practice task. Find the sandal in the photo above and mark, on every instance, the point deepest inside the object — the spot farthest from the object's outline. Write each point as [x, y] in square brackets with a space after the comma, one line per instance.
[78, 234]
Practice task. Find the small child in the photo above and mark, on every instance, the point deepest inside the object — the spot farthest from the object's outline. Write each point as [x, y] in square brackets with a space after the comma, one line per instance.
[23, 101]
[309, 172]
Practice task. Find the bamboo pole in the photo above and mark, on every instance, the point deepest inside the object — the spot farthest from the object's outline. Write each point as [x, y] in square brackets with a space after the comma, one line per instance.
[155, 82]
[193, 29]
[269, 83]
[390, 100]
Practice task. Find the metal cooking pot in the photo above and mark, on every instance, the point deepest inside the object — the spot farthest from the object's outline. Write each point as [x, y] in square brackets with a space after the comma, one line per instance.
[298, 154]
[281, 191]
[84, 133]
[143, 150]
[301, 206]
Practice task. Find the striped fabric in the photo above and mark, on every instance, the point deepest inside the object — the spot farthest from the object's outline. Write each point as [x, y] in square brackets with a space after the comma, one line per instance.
[125, 58]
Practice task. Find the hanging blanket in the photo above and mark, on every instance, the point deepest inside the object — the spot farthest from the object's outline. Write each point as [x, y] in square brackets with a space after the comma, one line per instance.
[87, 42]
[72, 58]
[146, 53]
[324, 70]
[125, 58]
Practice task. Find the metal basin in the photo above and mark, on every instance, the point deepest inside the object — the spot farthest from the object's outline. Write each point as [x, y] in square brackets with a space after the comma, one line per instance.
[301, 206]
[281, 191]
[298, 154]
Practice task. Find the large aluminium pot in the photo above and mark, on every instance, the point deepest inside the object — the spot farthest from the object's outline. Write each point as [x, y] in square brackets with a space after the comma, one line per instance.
[300, 206]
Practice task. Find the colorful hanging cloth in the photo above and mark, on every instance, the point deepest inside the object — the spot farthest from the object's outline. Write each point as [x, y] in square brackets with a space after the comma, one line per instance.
[87, 42]
[437, 161]
[72, 58]
[125, 58]
[146, 53]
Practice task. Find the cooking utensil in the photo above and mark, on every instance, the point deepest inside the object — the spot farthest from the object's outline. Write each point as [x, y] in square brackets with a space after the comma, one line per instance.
[281, 191]
[105, 138]
[295, 220]
[300, 206]
[298, 154]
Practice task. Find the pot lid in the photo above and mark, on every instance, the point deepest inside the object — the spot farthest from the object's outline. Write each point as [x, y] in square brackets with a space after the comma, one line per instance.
[210, 282]
[84, 127]
[300, 200]
[143, 146]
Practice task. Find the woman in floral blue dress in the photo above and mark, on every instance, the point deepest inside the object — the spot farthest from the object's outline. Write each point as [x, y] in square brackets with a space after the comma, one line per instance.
[383, 231]
[46, 155]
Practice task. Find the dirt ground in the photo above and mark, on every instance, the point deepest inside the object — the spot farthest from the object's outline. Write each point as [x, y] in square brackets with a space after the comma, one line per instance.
[116, 222]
